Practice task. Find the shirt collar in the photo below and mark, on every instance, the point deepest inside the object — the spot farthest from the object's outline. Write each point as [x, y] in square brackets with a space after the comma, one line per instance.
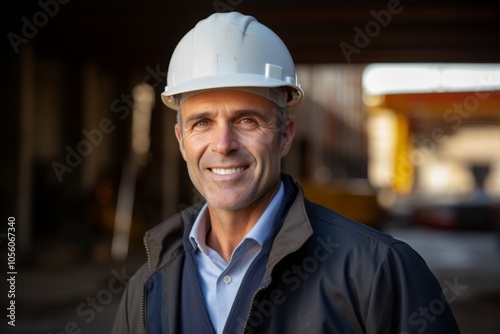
[259, 232]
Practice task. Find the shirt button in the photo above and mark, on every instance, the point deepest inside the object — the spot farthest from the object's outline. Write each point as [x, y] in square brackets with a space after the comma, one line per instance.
[227, 279]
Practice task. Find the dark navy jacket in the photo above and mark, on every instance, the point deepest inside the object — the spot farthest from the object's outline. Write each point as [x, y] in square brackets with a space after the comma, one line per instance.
[324, 274]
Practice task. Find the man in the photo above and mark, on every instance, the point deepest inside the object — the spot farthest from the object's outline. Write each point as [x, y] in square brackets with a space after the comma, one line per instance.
[256, 256]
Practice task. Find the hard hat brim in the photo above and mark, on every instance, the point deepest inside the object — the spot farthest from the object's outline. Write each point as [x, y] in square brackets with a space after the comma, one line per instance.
[229, 81]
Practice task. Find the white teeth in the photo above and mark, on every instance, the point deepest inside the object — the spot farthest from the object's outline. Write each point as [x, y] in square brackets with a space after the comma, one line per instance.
[224, 171]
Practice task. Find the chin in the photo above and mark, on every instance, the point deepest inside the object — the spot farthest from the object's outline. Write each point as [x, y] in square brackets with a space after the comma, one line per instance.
[228, 204]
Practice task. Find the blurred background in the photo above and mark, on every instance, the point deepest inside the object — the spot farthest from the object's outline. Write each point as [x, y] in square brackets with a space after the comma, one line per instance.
[400, 130]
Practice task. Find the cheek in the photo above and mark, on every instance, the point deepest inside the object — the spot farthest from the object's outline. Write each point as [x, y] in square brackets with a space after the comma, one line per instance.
[269, 150]
[194, 149]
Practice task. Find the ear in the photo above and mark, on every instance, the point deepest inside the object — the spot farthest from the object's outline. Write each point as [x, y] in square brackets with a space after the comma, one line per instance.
[287, 137]
[178, 134]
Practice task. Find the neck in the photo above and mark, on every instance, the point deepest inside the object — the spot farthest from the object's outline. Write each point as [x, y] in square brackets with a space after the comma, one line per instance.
[228, 228]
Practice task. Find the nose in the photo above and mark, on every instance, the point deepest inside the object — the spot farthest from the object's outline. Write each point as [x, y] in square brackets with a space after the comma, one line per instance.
[224, 139]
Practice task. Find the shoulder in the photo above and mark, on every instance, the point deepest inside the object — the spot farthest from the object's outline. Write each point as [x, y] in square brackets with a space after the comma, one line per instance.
[164, 242]
[356, 242]
[325, 220]
[368, 256]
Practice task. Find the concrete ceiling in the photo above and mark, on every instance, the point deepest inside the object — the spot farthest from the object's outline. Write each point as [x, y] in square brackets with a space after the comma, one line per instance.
[138, 32]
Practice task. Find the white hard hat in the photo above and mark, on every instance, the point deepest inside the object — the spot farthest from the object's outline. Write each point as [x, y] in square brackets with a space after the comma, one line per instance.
[227, 51]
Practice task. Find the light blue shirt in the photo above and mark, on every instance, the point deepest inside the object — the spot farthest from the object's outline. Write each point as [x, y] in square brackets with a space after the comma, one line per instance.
[219, 280]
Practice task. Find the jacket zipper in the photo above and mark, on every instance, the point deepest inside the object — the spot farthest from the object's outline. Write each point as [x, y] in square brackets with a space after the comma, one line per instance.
[148, 254]
[251, 304]
[144, 296]
[143, 310]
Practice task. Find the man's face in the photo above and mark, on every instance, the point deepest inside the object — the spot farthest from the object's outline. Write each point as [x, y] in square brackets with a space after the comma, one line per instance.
[232, 147]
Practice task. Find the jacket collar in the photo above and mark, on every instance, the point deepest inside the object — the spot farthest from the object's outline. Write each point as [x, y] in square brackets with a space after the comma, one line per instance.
[165, 241]
[296, 230]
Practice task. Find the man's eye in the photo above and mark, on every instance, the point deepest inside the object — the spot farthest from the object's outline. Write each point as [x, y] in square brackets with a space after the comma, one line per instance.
[201, 124]
[247, 121]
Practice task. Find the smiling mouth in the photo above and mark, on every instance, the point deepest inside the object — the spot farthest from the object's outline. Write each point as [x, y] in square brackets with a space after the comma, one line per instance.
[227, 171]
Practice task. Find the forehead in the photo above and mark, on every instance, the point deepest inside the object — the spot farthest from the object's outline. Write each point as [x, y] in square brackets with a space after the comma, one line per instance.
[228, 100]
